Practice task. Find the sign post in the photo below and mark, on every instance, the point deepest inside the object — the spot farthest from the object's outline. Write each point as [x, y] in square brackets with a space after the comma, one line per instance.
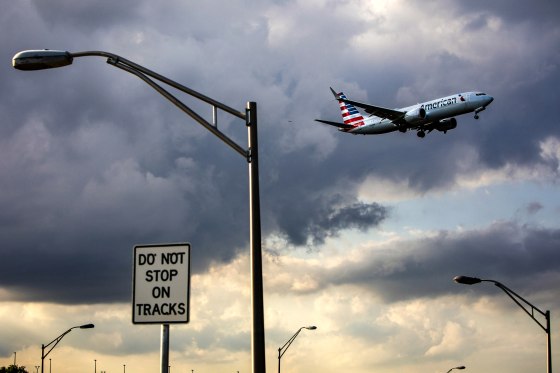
[161, 289]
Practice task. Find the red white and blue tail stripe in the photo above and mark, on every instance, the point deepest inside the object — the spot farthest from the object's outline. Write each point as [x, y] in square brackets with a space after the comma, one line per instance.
[350, 115]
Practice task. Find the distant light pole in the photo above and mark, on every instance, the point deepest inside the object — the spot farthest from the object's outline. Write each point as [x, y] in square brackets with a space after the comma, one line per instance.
[50, 365]
[94, 365]
[15, 354]
[56, 341]
[459, 367]
[524, 304]
[37, 368]
[46, 59]
[282, 350]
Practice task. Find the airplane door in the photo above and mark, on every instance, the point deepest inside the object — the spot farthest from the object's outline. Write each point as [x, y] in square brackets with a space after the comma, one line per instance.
[464, 99]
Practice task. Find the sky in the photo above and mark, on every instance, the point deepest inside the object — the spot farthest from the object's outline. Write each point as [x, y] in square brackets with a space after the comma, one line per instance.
[362, 235]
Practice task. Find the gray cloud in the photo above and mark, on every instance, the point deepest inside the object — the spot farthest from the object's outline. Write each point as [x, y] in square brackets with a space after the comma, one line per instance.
[86, 17]
[311, 221]
[93, 161]
[523, 257]
[533, 208]
[518, 11]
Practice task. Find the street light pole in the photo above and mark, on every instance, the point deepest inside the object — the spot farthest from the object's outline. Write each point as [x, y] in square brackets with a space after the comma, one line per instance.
[525, 305]
[282, 350]
[46, 59]
[257, 303]
[56, 341]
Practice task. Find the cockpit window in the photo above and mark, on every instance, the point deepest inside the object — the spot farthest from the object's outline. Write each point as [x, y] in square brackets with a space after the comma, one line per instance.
[481, 94]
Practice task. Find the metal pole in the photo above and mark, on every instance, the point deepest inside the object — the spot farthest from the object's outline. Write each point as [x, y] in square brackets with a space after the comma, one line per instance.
[279, 356]
[257, 335]
[164, 348]
[42, 357]
[548, 345]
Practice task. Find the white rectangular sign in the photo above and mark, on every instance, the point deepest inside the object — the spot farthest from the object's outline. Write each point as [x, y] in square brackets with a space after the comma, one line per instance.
[161, 284]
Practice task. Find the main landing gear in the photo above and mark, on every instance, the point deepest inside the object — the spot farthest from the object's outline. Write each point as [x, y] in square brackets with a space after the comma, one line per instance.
[421, 134]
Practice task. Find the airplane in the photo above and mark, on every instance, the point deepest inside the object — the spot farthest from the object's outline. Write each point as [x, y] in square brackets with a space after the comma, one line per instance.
[425, 117]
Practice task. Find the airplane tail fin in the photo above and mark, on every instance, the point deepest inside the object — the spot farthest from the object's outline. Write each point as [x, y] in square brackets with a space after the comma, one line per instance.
[350, 115]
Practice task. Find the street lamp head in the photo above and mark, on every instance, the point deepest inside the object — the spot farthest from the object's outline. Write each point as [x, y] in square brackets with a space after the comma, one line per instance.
[87, 326]
[466, 280]
[459, 367]
[312, 327]
[41, 59]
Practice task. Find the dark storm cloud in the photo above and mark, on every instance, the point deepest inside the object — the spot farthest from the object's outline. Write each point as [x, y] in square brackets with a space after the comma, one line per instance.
[309, 221]
[526, 258]
[89, 169]
[84, 191]
[69, 235]
[93, 161]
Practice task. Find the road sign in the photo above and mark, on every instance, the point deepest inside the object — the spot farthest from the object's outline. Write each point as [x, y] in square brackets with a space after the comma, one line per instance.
[161, 284]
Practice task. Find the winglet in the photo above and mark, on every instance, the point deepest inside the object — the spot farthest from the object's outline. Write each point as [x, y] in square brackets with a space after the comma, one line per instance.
[336, 95]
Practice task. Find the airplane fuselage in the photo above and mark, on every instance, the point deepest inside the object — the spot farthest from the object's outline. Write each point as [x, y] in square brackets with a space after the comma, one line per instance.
[434, 112]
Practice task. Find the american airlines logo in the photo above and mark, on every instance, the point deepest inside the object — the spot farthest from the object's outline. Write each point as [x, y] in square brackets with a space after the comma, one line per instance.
[440, 103]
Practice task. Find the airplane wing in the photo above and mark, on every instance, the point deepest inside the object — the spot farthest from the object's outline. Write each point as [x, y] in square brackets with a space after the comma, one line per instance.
[378, 111]
[336, 124]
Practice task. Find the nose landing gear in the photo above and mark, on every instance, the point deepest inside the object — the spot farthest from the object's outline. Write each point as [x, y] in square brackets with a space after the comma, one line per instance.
[478, 111]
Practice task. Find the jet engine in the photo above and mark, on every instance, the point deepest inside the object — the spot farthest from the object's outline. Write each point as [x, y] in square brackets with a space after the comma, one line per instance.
[445, 125]
[415, 115]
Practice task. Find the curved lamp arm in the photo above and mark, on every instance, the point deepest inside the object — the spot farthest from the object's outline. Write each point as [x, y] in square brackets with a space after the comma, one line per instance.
[59, 338]
[527, 306]
[48, 59]
[459, 367]
[282, 350]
